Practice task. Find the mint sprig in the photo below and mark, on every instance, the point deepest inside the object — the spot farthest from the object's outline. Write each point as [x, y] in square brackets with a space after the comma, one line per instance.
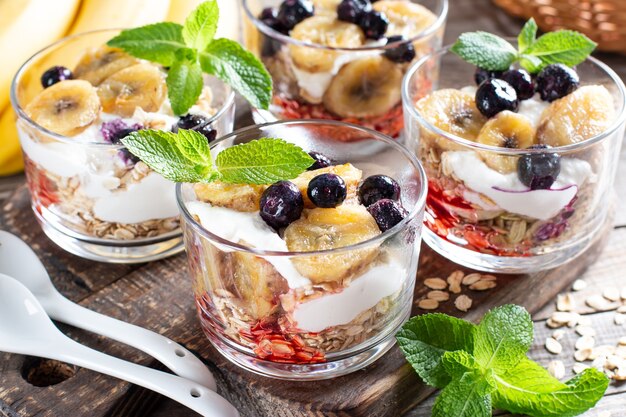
[493, 53]
[185, 157]
[190, 50]
[485, 365]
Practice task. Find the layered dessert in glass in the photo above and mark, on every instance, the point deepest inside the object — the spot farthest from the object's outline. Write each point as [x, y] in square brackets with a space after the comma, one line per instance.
[308, 278]
[520, 167]
[75, 101]
[341, 60]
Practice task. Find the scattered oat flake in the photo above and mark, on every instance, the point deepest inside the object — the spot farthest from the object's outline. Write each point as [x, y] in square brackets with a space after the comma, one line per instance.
[463, 303]
[623, 293]
[428, 304]
[579, 285]
[562, 316]
[565, 302]
[553, 324]
[584, 321]
[556, 369]
[454, 281]
[485, 277]
[553, 346]
[598, 303]
[435, 283]
[613, 362]
[622, 341]
[482, 285]
[558, 334]
[471, 279]
[438, 295]
[585, 330]
[620, 374]
[621, 309]
[582, 355]
[619, 319]
[585, 342]
[611, 294]
[579, 368]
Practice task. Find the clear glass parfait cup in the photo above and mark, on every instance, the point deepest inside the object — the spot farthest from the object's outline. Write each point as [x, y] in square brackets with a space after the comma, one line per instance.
[305, 315]
[479, 213]
[357, 84]
[90, 195]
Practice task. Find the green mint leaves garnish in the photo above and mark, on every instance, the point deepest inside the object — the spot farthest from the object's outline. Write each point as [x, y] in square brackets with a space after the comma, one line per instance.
[493, 53]
[483, 366]
[185, 157]
[190, 50]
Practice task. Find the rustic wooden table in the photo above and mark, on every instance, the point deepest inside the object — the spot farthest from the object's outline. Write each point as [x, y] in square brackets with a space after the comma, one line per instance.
[158, 296]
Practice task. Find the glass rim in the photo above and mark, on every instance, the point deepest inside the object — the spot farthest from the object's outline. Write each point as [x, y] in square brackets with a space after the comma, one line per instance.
[409, 105]
[435, 26]
[419, 205]
[21, 113]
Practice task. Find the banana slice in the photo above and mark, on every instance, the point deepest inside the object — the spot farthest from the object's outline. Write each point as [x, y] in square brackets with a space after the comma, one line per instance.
[326, 7]
[321, 229]
[100, 64]
[580, 115]
[364, 88]
[348, 172]
[453, 111]
[405, 18]
[327, 31]
[67, 107]
[141, 85]
[506, 130]
[240, 197]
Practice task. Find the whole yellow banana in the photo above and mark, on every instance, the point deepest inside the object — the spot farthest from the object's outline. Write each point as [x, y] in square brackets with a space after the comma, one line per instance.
[228, 26]
[10, 153]
[107, 14]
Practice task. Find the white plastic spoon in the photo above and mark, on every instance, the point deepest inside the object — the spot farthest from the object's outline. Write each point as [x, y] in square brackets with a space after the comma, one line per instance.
[19, 261]
[26, 329]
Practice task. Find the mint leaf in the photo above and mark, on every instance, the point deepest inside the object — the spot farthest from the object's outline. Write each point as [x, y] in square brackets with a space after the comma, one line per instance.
[425, 339]
[527, 36]
[503, 337]
[485, 50]
[184, 85]
[201, 25]
[566, 47]
[529, 389]
[239, 68]
[530, 63]
[262, 161]
[462, 398]
[459, 363]
[157, 42]
[177, 157]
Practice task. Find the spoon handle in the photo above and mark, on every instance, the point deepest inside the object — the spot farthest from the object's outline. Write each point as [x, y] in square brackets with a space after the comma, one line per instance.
[191, 394]
[169, 353]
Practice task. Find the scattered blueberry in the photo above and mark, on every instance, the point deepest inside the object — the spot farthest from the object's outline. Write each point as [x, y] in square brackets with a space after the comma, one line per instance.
[321, 161]
[494, 96]
[483, 75]
[54, 75]
[403, 53]
[556, 81]
[374, 24]
[378, 187]
[281, 204]
[292, 12]
[521, 81]
[352, 10]
[198, 123]
[111, 130]
[387, 213]
[539, 170]
[327, 190]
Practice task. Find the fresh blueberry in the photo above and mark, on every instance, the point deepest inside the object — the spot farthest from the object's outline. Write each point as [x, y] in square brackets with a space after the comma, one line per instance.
[327, 190]
[378, 187]
[387, 213]
[196, 122]
[483, 75]
[321, 161]
[539, 170]
[124, 153]
[352, 10]
[111, 130]
[374, 24]
[521, 81]
[270, 46]
[403, 53]
[292, 12]
[556, 81]
[494, 96]
[281, 204]
[54, 75]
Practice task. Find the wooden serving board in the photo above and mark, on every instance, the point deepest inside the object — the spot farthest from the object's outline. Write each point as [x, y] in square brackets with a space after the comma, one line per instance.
[158, 296]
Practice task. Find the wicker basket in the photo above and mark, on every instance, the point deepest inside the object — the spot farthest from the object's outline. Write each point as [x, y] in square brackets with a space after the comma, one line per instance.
[604, 21]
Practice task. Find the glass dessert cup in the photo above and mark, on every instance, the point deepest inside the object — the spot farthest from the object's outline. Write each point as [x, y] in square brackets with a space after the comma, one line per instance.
[356, 84]
[90, 195]
[478, 211]
[305, 315]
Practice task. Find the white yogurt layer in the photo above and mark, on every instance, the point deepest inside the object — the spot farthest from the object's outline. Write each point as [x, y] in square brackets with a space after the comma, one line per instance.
[236, 226]
[509, 193]
[315, 84]
[340, 308]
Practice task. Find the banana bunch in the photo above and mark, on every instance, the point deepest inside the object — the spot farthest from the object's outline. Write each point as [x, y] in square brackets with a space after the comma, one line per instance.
[27, 26]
